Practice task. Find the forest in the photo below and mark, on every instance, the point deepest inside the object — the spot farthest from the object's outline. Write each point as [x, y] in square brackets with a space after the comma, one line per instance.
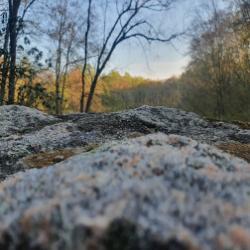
[68, 71]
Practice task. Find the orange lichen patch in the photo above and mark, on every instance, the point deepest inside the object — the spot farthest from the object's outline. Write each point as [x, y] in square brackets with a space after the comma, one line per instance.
[237, 237]
[213, 172]
[44, 210]
[225, 176]
[46, 159]
[222, 242]
[9, 182]
[129, 163]
[210, 171]
[187, 239]
[135, 160]
[228, 210]
[240, 237]
[237, 149]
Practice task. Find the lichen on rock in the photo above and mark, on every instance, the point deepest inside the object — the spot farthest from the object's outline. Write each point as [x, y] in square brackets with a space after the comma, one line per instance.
[18, 119]
[25, 131]
[154, 180]
[156, 190]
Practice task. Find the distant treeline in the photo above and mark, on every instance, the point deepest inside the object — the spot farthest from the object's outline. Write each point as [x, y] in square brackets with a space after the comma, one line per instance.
[148, 93]
[185, 93]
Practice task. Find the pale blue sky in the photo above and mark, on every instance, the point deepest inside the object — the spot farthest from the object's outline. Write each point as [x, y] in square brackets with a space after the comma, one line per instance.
[159, 60]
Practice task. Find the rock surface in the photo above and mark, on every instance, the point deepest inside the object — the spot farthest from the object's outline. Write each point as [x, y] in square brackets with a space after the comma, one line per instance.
[152, 192]
[20, 119]
[25, 131]
[93, 187]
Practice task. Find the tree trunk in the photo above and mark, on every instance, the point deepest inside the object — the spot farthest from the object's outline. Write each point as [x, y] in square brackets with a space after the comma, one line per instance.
[13, 9]
[82, 100]
[58, 76]
[64, 82]
[91, 93]
[5, 66]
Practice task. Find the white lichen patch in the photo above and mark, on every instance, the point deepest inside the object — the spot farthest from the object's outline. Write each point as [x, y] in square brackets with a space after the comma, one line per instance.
[16, 119]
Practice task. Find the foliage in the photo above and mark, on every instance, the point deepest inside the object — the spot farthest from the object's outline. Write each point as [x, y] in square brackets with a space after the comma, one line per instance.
[217, 82]
[35, 96]
[109, 82]
[149, 92]
[32, 91]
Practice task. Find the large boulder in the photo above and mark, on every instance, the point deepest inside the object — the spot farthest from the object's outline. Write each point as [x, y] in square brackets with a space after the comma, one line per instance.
[26, 132]
[112, 181]
[151, 192]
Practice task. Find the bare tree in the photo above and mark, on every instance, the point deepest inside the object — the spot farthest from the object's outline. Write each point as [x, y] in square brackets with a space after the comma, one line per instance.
[131, 22]
[64, 30]
[86, 51]
[73, 40]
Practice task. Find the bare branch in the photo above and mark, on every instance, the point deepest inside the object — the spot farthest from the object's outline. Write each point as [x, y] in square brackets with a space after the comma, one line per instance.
[156, 39]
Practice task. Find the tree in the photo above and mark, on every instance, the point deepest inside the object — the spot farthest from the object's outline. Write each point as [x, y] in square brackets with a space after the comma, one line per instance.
[4, 52]
[63, 28]
[131, 22]
[86, 51]
[216, 82]
[16, 24]
[243, 6]
[31, 91]
[17, 10]
[210, 52]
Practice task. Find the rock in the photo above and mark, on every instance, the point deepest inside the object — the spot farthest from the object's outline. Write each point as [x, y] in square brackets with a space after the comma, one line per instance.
[19, 119]
[26, 132]
[174, 121]
[153, 192]
[83, 183]
[242, 136]
[56, 136]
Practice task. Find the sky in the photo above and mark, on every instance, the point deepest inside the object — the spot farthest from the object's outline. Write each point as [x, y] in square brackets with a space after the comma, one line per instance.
[159, 60]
